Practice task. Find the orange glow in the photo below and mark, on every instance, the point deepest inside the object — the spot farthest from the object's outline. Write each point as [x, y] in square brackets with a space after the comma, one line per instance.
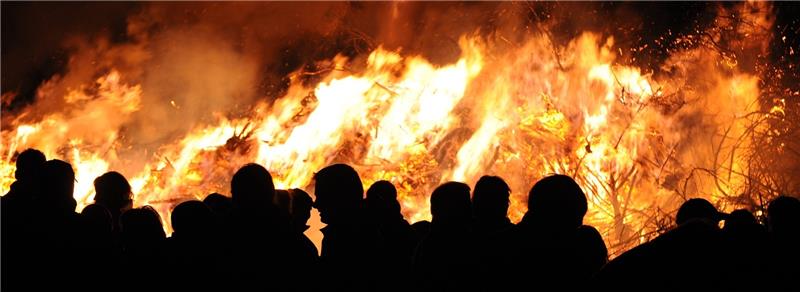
[520, 114]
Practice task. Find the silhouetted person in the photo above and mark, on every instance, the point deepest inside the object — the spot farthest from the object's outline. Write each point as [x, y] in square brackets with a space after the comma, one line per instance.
[57, 185]
[98, 219]
[443, 259]
[296, 205]
[742, 228]
[52, 244]
[551, 247]
[28, 164]
[490, 201]
[102, 261]
[690, 256]
[263, 250]
[142, 232]
[382, 203]
[192, 223]
[745, 242]
[99, 231]
[254, 229]
[220, 205]
[15, 214]
[301, 205]
[114, 193]
[783, 218]
[397, 239]
[349, 241]
[143, 245]
[783, 221]
[698, 209]
[252, 190]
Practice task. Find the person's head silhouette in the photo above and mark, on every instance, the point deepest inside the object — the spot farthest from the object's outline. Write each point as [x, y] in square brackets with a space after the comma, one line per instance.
[450, 205]
[141, 228]
[698, 209]
[191, 219]
[740, 219]
[28, 164]
[252, 187]
[557, 202]
[113, 192]
[219, 204]
[783, 216]
[57, 185]
[742, 225]
[301, 205]
[339, 193]
[490, 198]
[382, 190]
[382, 201]
[98, 218]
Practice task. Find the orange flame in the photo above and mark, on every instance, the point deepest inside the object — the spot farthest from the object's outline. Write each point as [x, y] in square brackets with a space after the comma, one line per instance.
[521, 114]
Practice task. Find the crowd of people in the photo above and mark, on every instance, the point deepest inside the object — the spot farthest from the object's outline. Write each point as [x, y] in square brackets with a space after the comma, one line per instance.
[254, 240]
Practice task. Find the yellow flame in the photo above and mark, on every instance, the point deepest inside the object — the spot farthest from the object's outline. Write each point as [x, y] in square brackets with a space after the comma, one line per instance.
[522, 114]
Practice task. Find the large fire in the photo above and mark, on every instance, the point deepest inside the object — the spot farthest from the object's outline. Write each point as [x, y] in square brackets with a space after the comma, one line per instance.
[637, 142]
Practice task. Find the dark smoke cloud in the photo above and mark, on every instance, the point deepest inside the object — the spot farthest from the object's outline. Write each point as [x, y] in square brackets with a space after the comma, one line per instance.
[33, 36]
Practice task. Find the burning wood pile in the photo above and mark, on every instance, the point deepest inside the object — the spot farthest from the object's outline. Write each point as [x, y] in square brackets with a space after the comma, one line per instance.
[639, 141]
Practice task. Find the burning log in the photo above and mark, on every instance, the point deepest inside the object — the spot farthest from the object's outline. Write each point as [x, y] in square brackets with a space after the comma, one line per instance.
[240, 142]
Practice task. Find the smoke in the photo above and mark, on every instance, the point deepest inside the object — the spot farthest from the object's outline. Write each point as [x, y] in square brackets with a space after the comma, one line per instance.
[199, 62]
[196, 62]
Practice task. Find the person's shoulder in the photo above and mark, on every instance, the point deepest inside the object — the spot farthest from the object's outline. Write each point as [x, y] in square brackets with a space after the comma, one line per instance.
[588, 232]
[692, 231]
[14, 191]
